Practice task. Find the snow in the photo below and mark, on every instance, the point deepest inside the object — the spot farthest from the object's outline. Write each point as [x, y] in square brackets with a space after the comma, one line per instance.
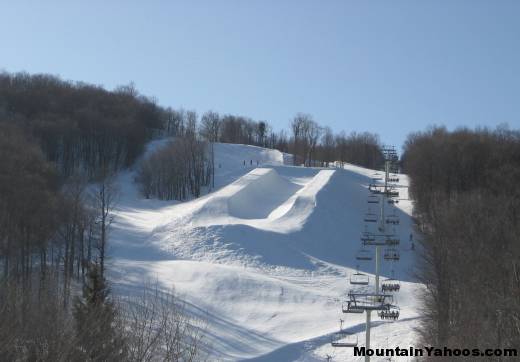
[264, 258]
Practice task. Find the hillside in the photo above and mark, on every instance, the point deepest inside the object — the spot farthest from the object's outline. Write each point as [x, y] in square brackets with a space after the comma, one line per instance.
[265, 257]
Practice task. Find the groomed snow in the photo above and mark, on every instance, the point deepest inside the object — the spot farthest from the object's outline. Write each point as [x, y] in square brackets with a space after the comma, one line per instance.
[264, 258]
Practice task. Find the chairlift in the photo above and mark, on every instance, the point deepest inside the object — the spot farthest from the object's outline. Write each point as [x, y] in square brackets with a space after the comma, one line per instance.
[373, 199]
[392, 313]
[367, 301]
[392, 193]
[391, 254]
[359, 278]
[370, 217]
[392, 240]
[367, 236]
[377, 175]
[373, 188]
[364, 254]
[350, 307]
[390, 285]
[344, 339]
[392, 219]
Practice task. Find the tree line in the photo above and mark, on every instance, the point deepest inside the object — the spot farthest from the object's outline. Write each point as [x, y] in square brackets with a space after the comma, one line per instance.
[308, 142]
[467, 205]
[187, 164]
[79, 127]
[84, 128]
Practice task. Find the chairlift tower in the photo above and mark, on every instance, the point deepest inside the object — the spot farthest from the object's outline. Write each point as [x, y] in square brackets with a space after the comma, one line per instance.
[390, 156]
[380, 302]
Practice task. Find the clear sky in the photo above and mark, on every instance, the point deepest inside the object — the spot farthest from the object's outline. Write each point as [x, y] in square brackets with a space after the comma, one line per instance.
[389, 67]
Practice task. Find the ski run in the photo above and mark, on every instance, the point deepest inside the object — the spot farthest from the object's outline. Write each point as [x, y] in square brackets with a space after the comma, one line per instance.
[264, 258]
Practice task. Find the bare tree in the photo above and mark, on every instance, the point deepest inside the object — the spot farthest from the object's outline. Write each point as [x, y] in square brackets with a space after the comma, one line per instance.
[312, 135]
[305, 136]
[104, 197]
[210, 126]
[160, 327]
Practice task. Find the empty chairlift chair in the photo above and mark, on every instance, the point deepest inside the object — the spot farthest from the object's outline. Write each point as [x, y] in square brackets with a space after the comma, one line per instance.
[367, 301]
[364, 254]
[373, 199]
[344, 339]
[359, 278]
[370, 217]
[350, 307]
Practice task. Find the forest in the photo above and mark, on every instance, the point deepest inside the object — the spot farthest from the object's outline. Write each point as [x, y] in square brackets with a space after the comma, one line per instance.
[467, 206]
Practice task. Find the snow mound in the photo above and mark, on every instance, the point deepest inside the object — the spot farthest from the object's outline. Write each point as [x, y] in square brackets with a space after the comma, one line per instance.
[257, 194]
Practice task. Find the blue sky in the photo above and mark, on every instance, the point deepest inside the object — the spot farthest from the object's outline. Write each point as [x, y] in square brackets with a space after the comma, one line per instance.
[390, 67]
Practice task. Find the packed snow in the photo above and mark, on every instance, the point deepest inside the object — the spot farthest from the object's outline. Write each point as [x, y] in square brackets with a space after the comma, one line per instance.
[264, 257]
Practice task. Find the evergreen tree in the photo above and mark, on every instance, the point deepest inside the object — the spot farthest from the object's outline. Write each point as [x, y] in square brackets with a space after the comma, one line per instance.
[98, 328]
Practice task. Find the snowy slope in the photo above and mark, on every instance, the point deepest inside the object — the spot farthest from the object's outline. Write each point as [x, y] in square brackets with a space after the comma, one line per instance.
[264, 258]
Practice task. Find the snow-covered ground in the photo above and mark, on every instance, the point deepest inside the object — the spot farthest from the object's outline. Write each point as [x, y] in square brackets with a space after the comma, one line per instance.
[264, 258]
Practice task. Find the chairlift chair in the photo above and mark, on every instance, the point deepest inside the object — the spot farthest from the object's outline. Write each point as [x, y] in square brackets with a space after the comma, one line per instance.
[364, 254]
[377, 176]
[392, 193]
[394, 168]
[367, 301]
[390, 285]
[392, 240]
[367, 236]
[370, 217]
[373, 188]
[392, 219]
[391, 254]
[350, 307]
[373, 199]
[392, 313]
[344, 339]
[359, 278]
